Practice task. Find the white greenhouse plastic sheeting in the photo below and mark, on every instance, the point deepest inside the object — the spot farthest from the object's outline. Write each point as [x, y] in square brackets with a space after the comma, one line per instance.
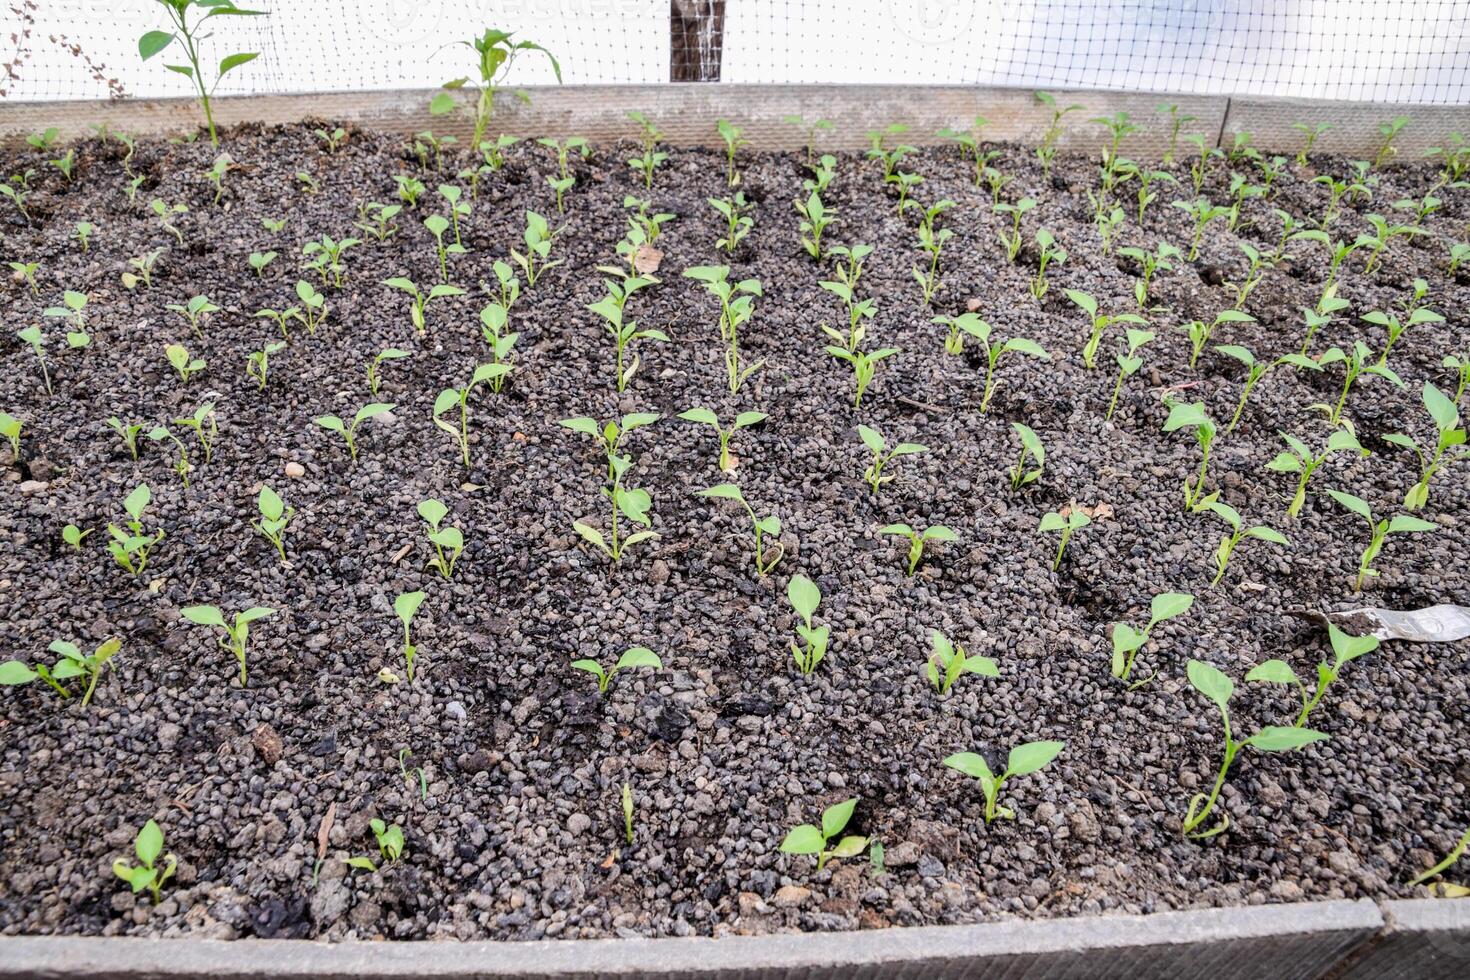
[1413, 51]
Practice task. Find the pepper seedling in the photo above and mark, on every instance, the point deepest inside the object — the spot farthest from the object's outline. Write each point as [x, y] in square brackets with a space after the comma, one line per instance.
[1345, 649]
[236, 634]
[1127, 641]
[189, 38]
[281, 318]
[405, 607]
[182, 361]
[809, 839]
[449, 398]
[704, 416]
[1098, 323]
[1213, 684]
[390, 846]
[73, 535]
[877, 444]
[494, 318]
[129, 546]
[536, 259]
[764, 527]
[1449, 444]
[1023, 760]
[1031, 448]
[1193, 416]
[148, 846]
[1238, 532]
[10, 427]
[375, 365]
[738, 221]
[1356, 363]
[804, 597]
[275, 516]
[494, 54]
[72, 663]
[1073, 519]
[349, 432]
[917, 539]
[1128, 364]
[1048, 251]
[1011, 241]
[864, 366]
[194, 311]
[737, 306]
[1256, 370]
[1302, 461]
[730, 134]
[257, 363]
[1378, 531]
[630, 503]
[623, 333]
[948, 662]
[448, 542]
[632, 657]
[816, 218]
[971, 324]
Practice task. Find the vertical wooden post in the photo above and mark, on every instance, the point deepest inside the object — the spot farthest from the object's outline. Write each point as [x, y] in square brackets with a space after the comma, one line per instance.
[696, 40]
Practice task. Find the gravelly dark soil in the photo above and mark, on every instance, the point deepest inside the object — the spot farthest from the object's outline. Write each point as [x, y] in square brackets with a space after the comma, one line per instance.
[519, 836]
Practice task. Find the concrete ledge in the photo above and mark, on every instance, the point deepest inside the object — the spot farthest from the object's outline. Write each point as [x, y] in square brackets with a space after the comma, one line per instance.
[1427, 939]
[1280, 942]
[688, 112]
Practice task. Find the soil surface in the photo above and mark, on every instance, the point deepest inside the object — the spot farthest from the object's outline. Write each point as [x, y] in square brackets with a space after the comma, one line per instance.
[518, 834]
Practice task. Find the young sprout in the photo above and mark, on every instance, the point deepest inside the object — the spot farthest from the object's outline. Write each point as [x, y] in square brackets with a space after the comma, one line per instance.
[73, 535]
[186, 364]
[83, 231]
[1356, 363]
[809, 839]
[610, 308]
[1047, 150]
[564, 179]
[1302, 461]
[1199, 332]
[730, 134]
[810, 129]
[1345, 649]
[629, 503]
[948, 663]
[1256, 370]
[971, 324]
[1396, 327]
[259, 260]
[194, 311]
[10, 427]
[493, 320]
[877, 444]
[274, 518]
[632, 657]
[375, 365]
[1336, 191]
[804, 597]
[390, 846]
[437, 225]
[738, 222]
[148, 846]
[450, 398]
[333, 139]
[1238, 532]
[704, 416]
[376, 219]
[405, 606]
[857, 312]
[1213, 684]
[309, 183]
[182, 465]
[257, 363]
[32, 336]
[815, 219]
[204, 426]
[165, 213]
[1030, 448]
[1012, 241]
[1066, 523]
[1389, 131]
[1449, 444]
[143, 266]
[917, 539]
[222, 165]
[1048, 251]
[651, 157]
[536, 259]
[458, 209]
[1176, 123]
[1378, 531]
[888, 158]
[737, 306]
[864, 366]
[129, 546]
[448, 542]
[189, 37]
[1193, 416]
[72, 663]
[931, 242]
[1023, 760]
[409, 189]
[1146, 192]
[1202, 212]
[1099, 323]
[905, 182]
[419, 301]
[236, 634]
[1127, 641]
[324, 256]
[494, 54]
[349, 431]
[767, 554]
[26, 272]
[1128, 364]
[1459, 252]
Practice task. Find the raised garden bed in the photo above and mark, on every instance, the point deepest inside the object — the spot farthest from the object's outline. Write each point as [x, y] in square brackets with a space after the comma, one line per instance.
[517, 832]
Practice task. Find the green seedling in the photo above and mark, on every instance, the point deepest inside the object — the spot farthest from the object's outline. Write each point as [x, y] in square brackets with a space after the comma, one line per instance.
[1389, 132]
[33, 338]
[888, 159]
[1128, 364]
[273, 225]
[448, 541]
[410, 189]
[882, 455]
[257, 363]
[1459, 252]
[931, 242]
[858, 311]
[274, 518]
[390, 846]
[632, 657]
[72, 663]
[738, 221]
[236, 635]
[376, 220]
[1449, 445]
[1213, 684]
[804, 597]
[374, 367]
[349, 431]
[809, 839]
[824, 171]
[1337, 190]
[259, 260]
[437, 225]
[848, 263]
[26, 272]
[182, 466]
[18, 194]
[948, 662]
[905, 182]
[624, 332]
[413, 775]
[148, 844]
[309, 184]
[458, 208]
[189, 38]
[10, 427]
[704, 416]
[1321, 315]
[1066, 521]
[917, 539]
[971, 324]
[1345, 649]
[1396, 326]
[1383, 234]
[1202, 213]
[767, 553]
[730, 135]
[1310, 134]
[650, 157]
[737, 306]
[1098, 323]
[1023, 760]
[494, 153]
[1046, 152]
[204, 426]
[165, 213]
[451, 398]
[1302, 461]
[495, 53]
[1011, 241]
[1128, 641]
[332, 140]
[493, 321]
[810, 129]
[1256, 370]
[1456, 852]
[143, 270]
[282, 319]
[1378, 531]
[1193, 416]
[1199, 332]
[1177, 121]
[1238, 532]
[864, 366]
[419, 301]
[1356, 363]
[815, 219]
[564, 180]
[324, 257]
[1147, 194]
[1049, 252]
[1031, 449]
[630, 503]
[127, 432]
[536, 259]
[129, 546]
[84, 231]
[194, 311]
[73, 535]
[405, 606]
[222, 165]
